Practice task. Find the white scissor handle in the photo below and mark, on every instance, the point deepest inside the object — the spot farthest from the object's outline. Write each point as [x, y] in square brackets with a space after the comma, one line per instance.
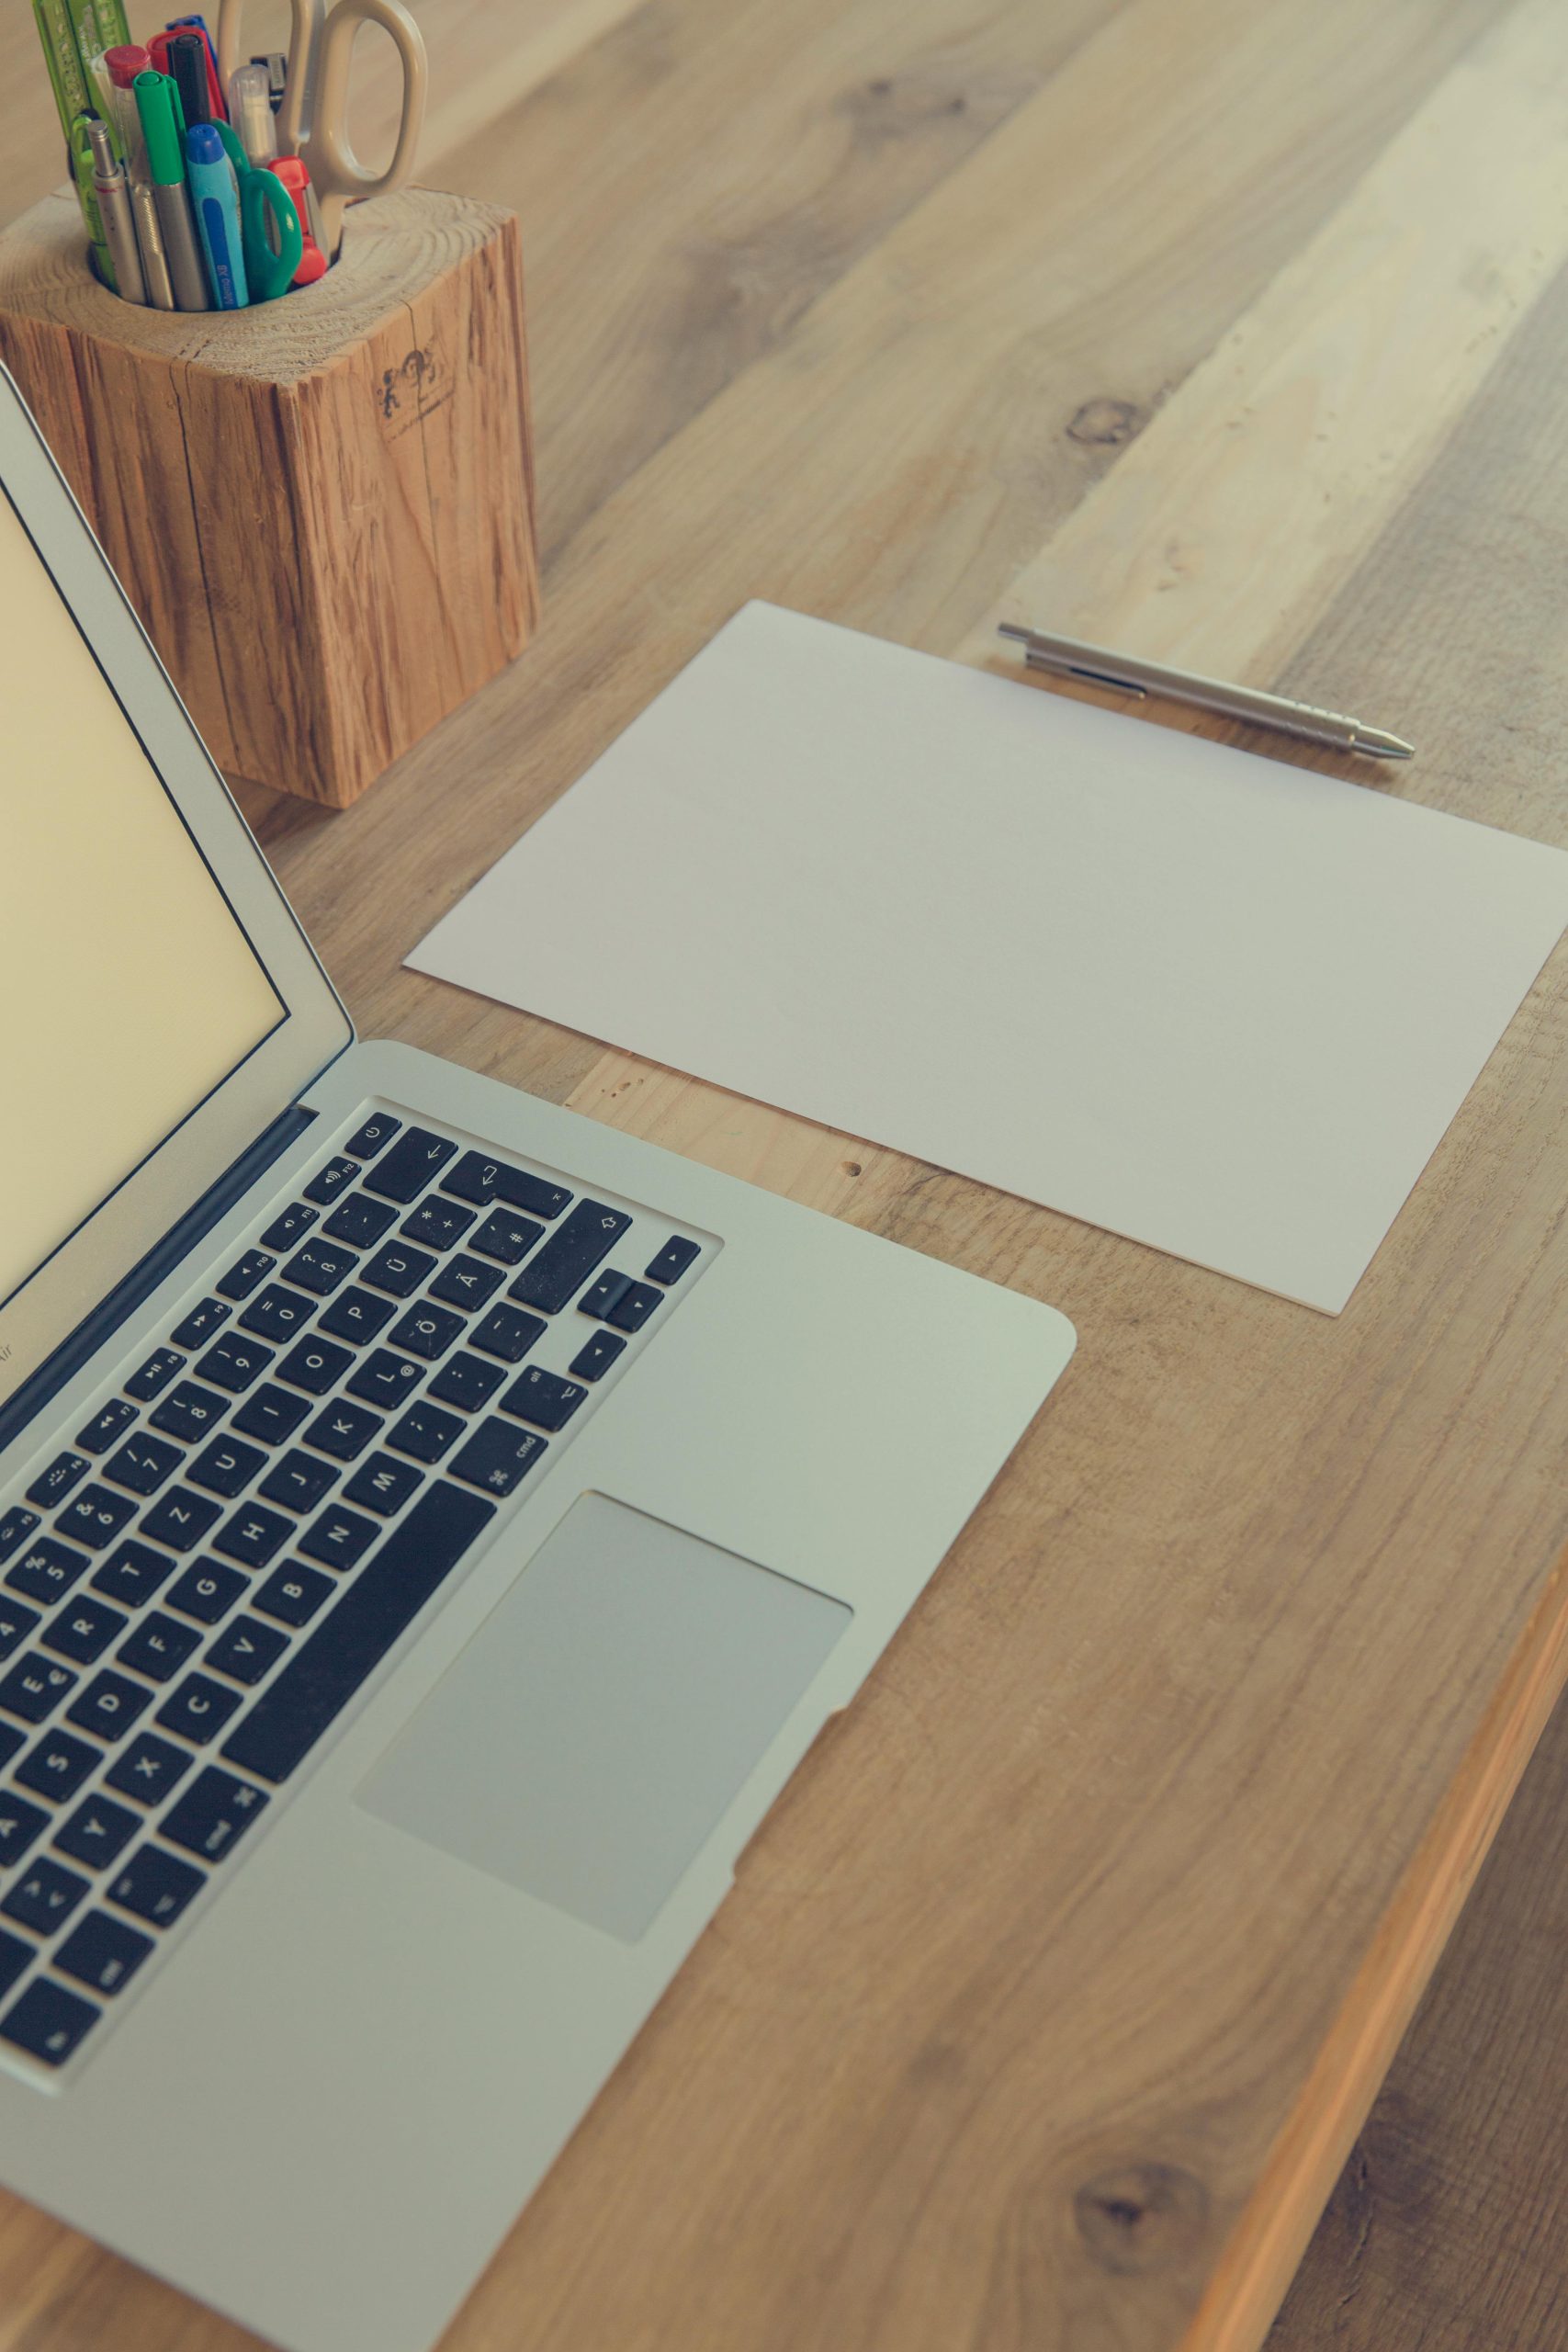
[304, 40]
[334, 169]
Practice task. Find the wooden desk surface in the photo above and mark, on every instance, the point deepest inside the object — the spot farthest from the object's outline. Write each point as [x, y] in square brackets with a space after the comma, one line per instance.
[1231, 331]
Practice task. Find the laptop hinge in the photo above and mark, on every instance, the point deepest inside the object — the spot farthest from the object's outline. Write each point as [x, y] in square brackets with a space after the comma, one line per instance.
[127, 1296]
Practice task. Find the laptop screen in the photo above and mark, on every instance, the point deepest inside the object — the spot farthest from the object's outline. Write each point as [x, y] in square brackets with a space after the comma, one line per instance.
[129, 991]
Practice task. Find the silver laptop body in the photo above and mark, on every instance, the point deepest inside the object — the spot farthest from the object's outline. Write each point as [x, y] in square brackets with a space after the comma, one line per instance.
[433, 1528]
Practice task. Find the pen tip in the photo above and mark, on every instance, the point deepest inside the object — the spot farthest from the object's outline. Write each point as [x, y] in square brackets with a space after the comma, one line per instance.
[1379, 746]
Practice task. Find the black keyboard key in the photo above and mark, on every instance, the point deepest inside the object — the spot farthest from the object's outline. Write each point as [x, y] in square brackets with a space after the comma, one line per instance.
[279, 1314]
[384, 1378]
[245, 1274]
[15, 1624]
[207, 1591]
[149, 1768]
[558, 1270]
[298, 1480]
[96, 1516]
[357, 1315]
[273, 1414]
[244, 1650]
[133, 1573]
[425, 1431]
[48, 2023]
[201, 1323]
[314, 1365]
[467, 1282]
[360, 1221]
[507, 1236]
[426, 1331]
[288, 1225]
[110, 1705]
[634, 1307]
[189, 1411]
[490, 1182]
[544, 1398]
[468, 1381]
[100, 1435]
[378, 1130]
[320, 1266]
[15, 1956]
[56, 1765]
[334, 1178]
[20, 1824]
[438, 1224]
[606, 1292]
[102, 1953]
[338, 1536]
[343, 1430]
[507, 1332]
[155, 1885]
[156, 1372]
[225, 1465]
[46, 1569]
[252, 1536]
[97, 1832]
[593, 1360]
[198, 1708]
[496, 1457]
[10, 1740]
[142, 1463]
[160, 1645]
[52, 1486]
[399, 1268]
[382, 1484]
[672, 1260]
[180, 1518]
[412, 1164]
[213, 1814]
[84, 1630]
[33, 1686]
[293, 1593]
[234, 1362]
[331, 1664]
[15, 1525]
[46, 1896]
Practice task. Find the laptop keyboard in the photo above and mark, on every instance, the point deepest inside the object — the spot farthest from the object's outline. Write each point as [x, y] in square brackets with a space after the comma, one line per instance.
[194, 1592]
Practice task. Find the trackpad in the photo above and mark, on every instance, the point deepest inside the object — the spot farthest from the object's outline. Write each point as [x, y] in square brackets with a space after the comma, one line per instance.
[605, 1714]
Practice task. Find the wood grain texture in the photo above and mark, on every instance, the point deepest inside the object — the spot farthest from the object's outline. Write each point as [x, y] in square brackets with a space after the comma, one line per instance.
[1012, 2035]
[345, 475]
[1447, 2231]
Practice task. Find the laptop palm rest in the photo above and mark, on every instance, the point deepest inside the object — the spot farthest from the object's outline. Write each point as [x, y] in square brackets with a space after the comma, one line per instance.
[585, 1743]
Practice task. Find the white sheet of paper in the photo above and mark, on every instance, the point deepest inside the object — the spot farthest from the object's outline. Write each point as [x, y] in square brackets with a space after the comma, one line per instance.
[1219, 1006]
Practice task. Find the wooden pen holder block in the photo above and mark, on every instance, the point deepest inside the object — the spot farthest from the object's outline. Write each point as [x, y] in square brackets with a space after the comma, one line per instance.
[321, 507]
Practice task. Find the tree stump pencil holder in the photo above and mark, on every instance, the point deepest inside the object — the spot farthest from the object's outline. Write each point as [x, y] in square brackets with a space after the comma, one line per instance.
[321, 507]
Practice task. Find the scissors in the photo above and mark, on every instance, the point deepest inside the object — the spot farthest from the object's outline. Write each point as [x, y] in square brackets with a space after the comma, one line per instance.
[312, 120]
[272, 248]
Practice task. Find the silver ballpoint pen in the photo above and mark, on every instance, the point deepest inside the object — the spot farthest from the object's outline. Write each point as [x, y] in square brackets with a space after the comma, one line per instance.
[1063, 657]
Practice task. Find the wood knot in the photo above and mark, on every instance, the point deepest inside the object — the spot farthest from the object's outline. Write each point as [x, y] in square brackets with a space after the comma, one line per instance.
[1104, 423]
[1142, 2218]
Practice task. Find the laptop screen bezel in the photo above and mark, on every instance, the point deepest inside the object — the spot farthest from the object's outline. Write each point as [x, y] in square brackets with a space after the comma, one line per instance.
[313, 1026]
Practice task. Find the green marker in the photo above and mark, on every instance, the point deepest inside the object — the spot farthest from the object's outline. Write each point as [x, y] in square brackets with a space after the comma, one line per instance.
[163, 124]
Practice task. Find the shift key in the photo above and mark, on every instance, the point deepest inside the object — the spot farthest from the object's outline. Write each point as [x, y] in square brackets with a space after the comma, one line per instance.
[555, 1274]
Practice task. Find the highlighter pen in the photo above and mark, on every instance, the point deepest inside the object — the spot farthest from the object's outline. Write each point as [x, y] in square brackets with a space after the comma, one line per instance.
[249, 111]
[150, 244]
[113, 192]
[158, 102]
[217, 210]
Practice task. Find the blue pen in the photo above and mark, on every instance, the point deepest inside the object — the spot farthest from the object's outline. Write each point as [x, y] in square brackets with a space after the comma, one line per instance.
[216, 206]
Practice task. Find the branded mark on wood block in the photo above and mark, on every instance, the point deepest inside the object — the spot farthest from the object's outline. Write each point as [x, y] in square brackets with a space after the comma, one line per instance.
[410, 391]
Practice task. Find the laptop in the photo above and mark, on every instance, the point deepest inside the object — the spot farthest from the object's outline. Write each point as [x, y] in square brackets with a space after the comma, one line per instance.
[433, 1529]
